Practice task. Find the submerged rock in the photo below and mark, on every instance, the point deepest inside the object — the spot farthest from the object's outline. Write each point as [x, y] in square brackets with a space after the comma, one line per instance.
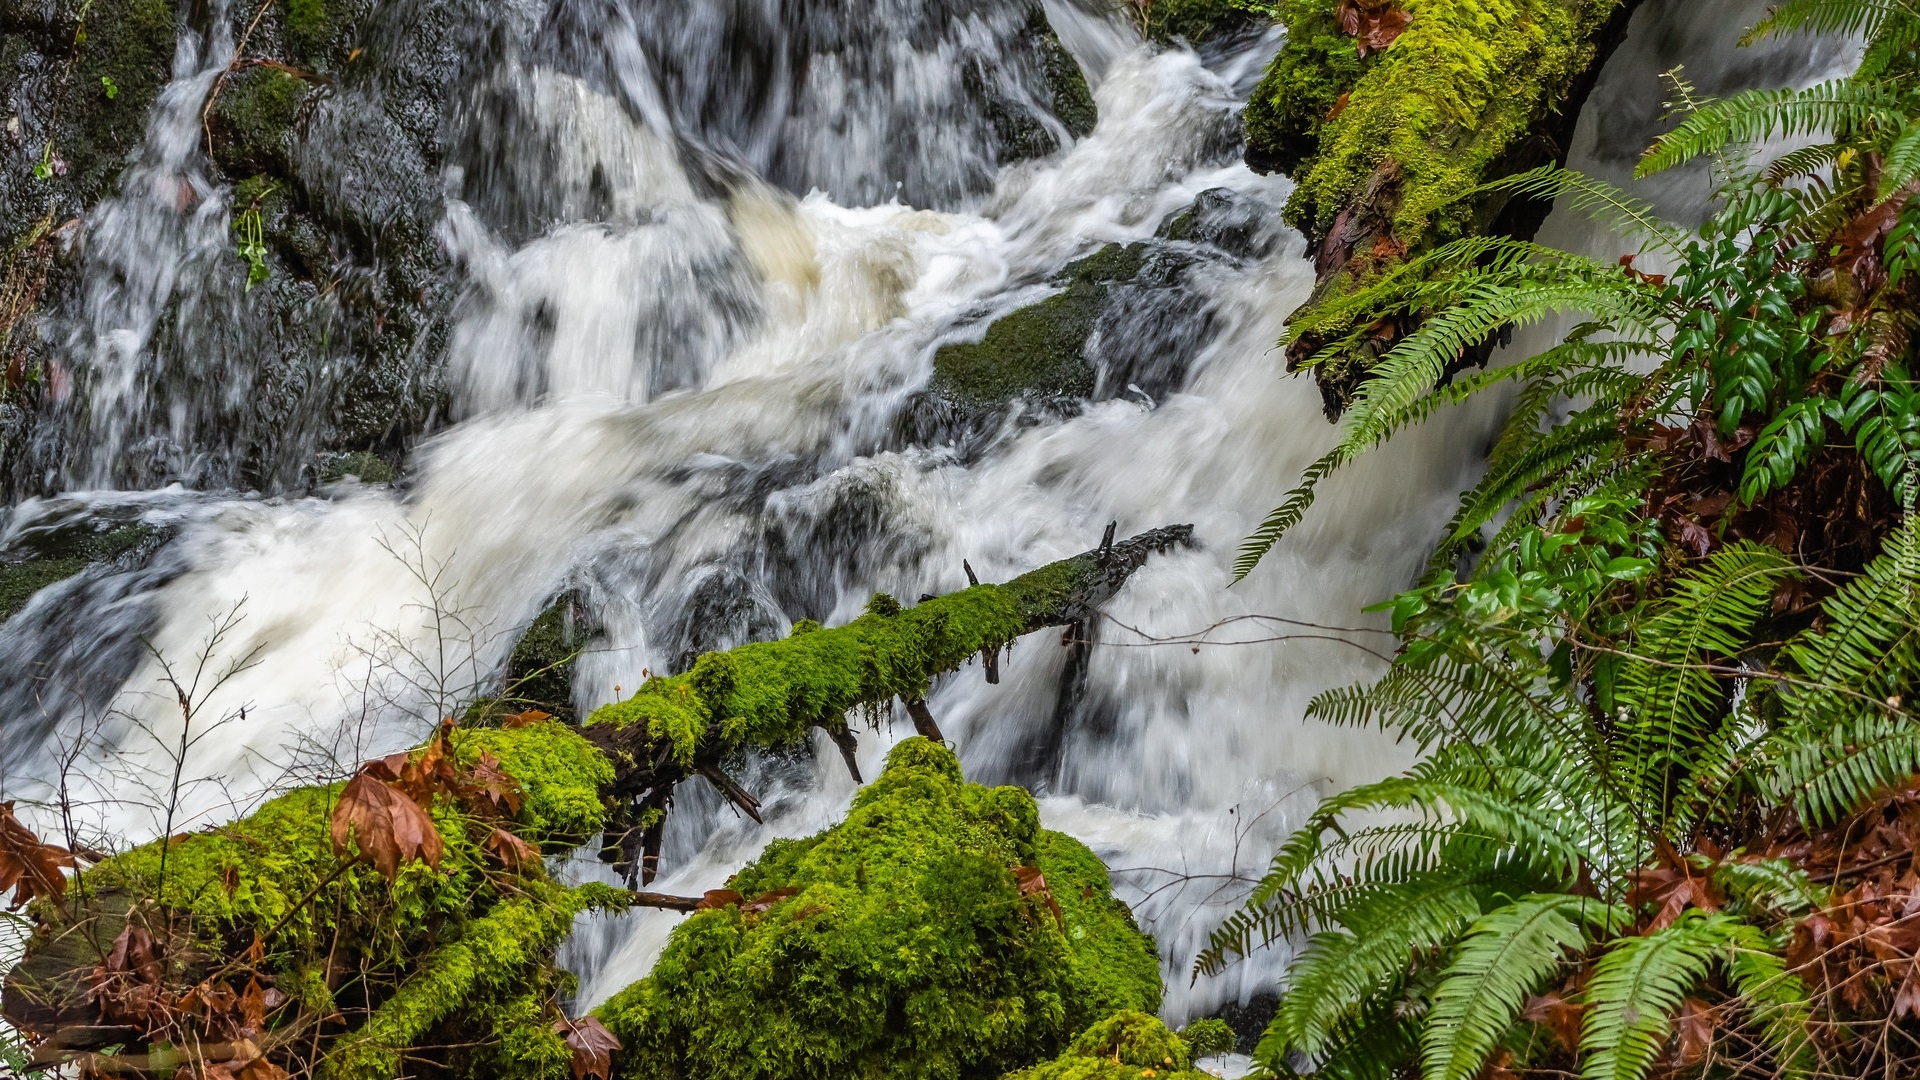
[937, 932]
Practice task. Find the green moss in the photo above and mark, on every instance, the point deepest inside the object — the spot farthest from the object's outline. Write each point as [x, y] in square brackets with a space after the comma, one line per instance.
[1129, 1045]
[1073, 102]
[1464, 81]
[1037, 351]
[561, 772]
[488, 961]
[1208, 1037]
[905, 950]
[1195, 21]
[255, 114]
[368, 466]
[454, 962]
[771, 693]
[19, 581]
[1286, 112]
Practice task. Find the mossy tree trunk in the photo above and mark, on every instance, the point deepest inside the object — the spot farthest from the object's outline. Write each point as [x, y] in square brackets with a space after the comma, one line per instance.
[1384, 143]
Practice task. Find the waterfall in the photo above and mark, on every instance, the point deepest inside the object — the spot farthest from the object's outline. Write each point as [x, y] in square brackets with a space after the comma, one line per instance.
[705, 252]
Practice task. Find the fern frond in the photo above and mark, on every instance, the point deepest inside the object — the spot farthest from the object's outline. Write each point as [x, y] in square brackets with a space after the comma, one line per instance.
[1637, 985]
[1674, 702]
[1597, 200]
[1288, 514]
[1506, 956]
[1901, 165]
[1332, 978]
[1838, 18]
[1835, 105]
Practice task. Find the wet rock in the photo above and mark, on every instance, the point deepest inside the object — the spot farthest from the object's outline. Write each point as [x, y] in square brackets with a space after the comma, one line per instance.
[41, 558]
[1228, 221]
[1128, 321]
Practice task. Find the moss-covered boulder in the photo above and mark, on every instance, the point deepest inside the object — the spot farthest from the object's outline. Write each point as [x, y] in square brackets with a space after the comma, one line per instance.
[937, 932]
[1129, 1045]
[41, 561]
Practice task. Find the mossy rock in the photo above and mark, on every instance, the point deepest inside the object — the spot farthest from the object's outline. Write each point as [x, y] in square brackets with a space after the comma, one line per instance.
[1038, 352]
[1072, 102]
[1129, 1045]
[1197, 22]
[897, 943]
[459, 955]
[61, 557]
[539, 673]
[1297, 96]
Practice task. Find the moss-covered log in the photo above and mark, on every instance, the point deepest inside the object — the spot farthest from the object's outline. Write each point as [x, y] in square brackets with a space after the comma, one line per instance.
[264, 932]
[772, 693]
[1384, 142]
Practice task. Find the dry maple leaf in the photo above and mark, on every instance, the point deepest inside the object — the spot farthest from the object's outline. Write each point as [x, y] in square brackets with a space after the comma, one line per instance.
[29, 867]
[525, 718]
[592, 1045]
[718, 898]
[486, 784]
[514, 853]
[1376, 23]
[388, 827]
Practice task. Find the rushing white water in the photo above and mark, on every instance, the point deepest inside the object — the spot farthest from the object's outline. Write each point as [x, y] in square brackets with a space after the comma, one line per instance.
[687, 406]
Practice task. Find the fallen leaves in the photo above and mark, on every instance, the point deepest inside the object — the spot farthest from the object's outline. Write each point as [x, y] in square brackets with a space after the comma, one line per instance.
[387, 826]
[28, 867]
[592, 1045]
[1376, 23]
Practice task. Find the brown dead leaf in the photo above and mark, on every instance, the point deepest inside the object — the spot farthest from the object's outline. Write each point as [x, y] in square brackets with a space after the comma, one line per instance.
[514, 853]
[488, 785]
[718, 898]
[592, 1044]
[524, 718]
[1034, 884]
[387, 827]
[1560, 1016]
[29, 867]
[1696, 1023]
[1376, 23]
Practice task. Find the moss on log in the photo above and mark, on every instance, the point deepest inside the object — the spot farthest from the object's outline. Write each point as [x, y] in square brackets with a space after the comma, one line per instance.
[1384, 144]
[450, 966]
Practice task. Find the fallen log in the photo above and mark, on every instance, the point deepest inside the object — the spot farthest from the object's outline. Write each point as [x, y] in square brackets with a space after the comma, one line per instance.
[297, 917]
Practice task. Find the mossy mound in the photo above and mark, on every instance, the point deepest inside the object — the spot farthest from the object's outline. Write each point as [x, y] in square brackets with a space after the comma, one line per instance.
[1129, 1045]
[899, 943]
[459, 955]
[1196, 22]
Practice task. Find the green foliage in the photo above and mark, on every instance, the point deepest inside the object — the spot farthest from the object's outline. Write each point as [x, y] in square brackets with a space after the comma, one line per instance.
[1208, 1037]
[1628, 674]
[1464, 80]
[905, 946]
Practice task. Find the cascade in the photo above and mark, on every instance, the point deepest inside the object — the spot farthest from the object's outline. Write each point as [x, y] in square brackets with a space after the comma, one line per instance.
[703, 258]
